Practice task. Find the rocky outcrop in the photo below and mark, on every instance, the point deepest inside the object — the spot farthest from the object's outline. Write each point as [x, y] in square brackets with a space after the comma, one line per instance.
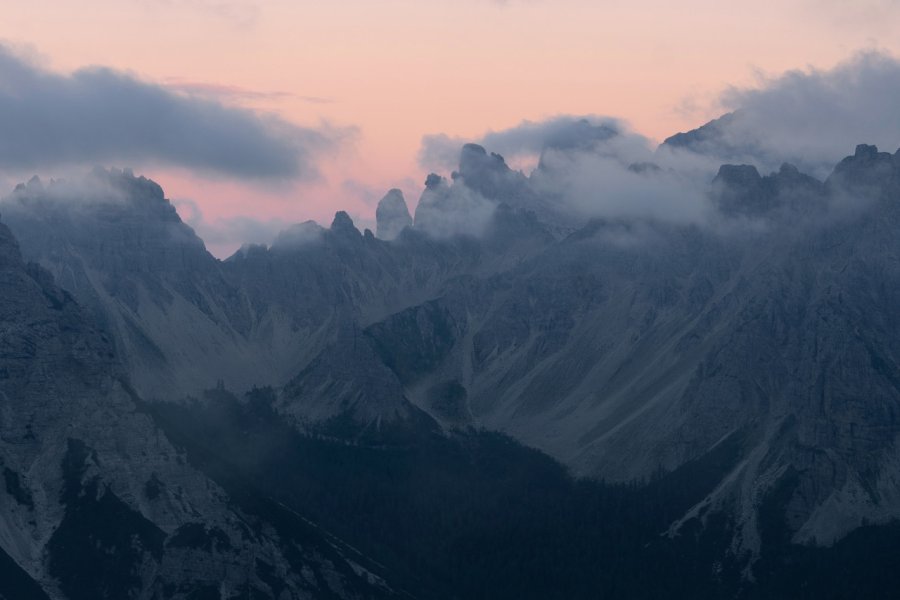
[97, 502]
[710, 139]
[348, 381]
[629, 348]
[866, 173]
[392, 215]
[740, 191]
[118, 246]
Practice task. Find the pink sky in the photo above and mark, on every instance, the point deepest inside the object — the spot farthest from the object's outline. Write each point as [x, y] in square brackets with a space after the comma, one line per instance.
[399, 69]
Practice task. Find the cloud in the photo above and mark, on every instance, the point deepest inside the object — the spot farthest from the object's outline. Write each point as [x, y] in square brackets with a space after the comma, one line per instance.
[528, 139]
[874, 17]
[97, 188]
[811, 118]
[224, 235]
[98, 115]
[446, 211]
[590, 167]
[593, 185]
[440, 151]
[235, 93]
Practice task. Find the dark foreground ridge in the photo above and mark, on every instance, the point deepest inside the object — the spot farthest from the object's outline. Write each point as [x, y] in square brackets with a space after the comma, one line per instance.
[473, 514]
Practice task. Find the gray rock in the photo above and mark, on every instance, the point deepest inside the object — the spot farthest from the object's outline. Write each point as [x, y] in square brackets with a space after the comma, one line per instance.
[392, 216]
[97, 502]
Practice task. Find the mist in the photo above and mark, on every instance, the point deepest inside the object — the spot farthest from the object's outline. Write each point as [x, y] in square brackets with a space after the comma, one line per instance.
[527, 139]
[811, 118]
[446, 210]
[596, 167]
[222, 235]
[595, 186]
[586, 167]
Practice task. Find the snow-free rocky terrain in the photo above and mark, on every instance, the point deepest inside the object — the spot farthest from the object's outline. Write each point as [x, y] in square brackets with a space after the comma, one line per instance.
[97, 503]
[763, 340]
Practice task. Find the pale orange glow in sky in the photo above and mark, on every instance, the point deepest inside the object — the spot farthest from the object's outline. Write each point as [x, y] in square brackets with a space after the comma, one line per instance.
[398, 69]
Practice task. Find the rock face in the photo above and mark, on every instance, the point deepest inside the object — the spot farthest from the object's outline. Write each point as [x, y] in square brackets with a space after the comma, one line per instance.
[709, 139]
[182, 321]
[740, 191]
[392, 215]
[120, 248]
[488, 174]
[97, 502]
[624, 359]
[764, 338]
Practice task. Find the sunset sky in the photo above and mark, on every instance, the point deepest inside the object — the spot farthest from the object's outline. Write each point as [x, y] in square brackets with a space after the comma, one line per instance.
[377, 76]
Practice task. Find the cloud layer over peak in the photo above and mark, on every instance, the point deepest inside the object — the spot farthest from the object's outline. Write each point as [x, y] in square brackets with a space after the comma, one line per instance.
[528, 138]
[96, 115]
[810, 117]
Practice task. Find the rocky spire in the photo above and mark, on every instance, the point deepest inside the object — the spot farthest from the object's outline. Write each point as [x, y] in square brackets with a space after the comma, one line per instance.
[343, 224]
[392, 215]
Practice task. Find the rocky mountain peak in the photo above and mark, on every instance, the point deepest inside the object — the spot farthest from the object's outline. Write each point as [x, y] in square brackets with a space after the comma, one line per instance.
[738, 175]
[788, 170]
[580, 135]
[490, 176]
[109, 211]
[865, 170]
[343, 224]
[434, 181]
[789, 176]
[739, 190]
[866, 151]
[475, 163]
[706, 139]
[105, 194]
[392, 215]
[482, 171]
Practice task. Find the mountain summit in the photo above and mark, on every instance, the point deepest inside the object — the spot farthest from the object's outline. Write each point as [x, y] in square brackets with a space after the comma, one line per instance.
[392, 215]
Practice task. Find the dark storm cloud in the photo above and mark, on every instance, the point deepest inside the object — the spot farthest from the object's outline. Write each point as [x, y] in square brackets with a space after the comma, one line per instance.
[98, 115]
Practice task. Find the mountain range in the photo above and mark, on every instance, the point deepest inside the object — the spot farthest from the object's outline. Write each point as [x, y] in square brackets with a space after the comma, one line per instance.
[718, 396]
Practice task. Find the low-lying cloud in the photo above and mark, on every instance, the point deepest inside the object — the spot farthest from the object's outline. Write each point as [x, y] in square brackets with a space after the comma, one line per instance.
[592, 185]
[812, 118]
[595, 167]
[590, 167]
[98, 115]
[224, 235]
[528, 139]
[446, 211]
